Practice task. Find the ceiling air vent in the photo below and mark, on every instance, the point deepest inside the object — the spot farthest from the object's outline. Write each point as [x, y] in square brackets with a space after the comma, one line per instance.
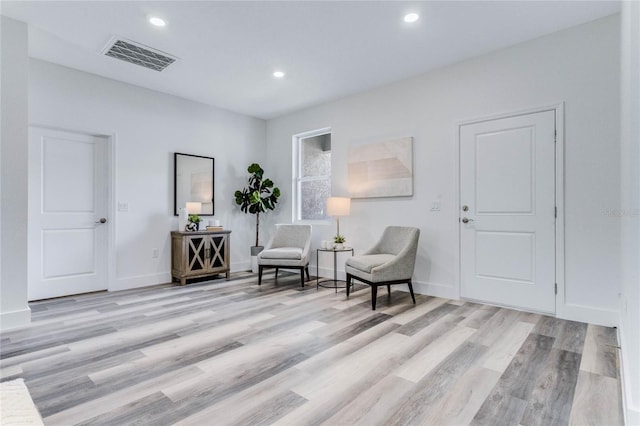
[139, 54]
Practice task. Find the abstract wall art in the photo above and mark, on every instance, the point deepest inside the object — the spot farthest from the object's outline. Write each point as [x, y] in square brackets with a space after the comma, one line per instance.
[381, 169]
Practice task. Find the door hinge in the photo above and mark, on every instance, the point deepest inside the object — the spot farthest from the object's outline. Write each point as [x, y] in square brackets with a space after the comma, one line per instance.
[555, 288]
[555, 136]
[555, 213]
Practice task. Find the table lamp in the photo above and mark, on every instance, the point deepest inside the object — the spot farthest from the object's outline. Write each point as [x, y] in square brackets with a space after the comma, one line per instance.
[194, 207]
[338, 206]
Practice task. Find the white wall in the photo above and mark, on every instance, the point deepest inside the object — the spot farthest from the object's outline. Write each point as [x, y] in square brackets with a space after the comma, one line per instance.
[148, 127]
[14, 311]
[629, 217]
[578, 66]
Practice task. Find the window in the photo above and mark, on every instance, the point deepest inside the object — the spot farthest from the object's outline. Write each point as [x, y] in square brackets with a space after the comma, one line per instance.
[312, 162]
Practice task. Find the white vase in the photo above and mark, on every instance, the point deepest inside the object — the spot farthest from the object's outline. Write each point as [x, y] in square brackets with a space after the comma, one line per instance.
[183, 218]
[338, 246]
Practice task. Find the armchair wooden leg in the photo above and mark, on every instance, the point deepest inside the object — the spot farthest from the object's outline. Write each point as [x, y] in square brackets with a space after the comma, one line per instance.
[389, 289]
[411, 291]
[302, 277]
[306, 269]
[348, 283]
[374, 296]
[260, 274]
[277, 269]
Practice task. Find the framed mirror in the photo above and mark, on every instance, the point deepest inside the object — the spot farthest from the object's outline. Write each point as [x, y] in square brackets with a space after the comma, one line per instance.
[193, 183]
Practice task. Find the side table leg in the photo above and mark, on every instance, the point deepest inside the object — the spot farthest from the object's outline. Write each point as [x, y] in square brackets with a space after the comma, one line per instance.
[335, 270]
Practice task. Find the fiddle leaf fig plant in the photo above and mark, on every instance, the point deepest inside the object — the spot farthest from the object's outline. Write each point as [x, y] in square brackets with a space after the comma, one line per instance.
[259, 196]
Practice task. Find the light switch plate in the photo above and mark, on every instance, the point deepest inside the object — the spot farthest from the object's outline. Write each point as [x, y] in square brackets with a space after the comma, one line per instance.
[435, 206]
[123, 207]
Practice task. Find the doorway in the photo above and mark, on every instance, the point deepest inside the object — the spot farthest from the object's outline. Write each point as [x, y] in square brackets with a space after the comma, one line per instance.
[508, 211]
[68, 219]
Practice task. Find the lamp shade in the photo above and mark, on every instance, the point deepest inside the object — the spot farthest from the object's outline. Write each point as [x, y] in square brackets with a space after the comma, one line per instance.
[194, 207]
[338, 206]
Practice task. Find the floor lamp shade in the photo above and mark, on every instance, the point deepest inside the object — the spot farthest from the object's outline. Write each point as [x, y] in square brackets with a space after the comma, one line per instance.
[338, 206]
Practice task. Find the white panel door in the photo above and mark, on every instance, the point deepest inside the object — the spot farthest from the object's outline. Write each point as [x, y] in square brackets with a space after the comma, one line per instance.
[507, 218]
[67, 201]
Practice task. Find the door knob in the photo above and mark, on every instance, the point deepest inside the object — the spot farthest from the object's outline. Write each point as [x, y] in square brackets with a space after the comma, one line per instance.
[465, 208]
[102, 220]
[466, 220]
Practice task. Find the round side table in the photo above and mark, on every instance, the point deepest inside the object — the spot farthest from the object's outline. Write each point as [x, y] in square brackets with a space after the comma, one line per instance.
[335, 280]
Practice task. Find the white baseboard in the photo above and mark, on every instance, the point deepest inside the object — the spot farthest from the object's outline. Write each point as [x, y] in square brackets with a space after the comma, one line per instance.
[241, 266]
[630, 407]
[326, 273]
[419, 287]
[632, 417]
[15, 319]
[140, 281]
[588, 314]
[435, 290]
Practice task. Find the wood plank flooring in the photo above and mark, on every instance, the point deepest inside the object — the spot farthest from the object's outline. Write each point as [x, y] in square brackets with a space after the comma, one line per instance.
[232, 353]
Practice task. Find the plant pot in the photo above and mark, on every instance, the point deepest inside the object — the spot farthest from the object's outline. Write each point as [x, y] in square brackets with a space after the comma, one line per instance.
[338, 246]
[255, 251]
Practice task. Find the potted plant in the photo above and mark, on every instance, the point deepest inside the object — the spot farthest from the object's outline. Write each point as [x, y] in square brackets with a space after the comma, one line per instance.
[259, 196]
[193, 222]
[339, 241]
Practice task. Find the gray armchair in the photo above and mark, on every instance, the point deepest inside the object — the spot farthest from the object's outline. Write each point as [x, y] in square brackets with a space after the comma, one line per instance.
[288, 249]
[390, 261]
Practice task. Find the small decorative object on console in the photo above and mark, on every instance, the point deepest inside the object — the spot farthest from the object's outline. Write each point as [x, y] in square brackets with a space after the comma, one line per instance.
[194, 221]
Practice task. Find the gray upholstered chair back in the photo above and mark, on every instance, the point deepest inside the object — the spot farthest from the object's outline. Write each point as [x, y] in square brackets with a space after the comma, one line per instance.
[290, 236]
[396, 239]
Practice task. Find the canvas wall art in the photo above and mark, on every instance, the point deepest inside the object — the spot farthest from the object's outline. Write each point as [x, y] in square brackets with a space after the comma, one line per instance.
[381, 169]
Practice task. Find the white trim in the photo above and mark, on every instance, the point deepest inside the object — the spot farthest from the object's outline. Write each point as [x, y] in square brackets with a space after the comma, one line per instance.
[558, 108]
[111, 210]
[240, 266]
[561, 297]
[296, 172]
[111, 179]
[588, 314]
[140, 281]
[430, 289]
[15, 319]
[631, 413]
[110, 139]
[435, 289]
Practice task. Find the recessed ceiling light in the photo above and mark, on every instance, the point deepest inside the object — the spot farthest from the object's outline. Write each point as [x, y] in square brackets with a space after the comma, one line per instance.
[411, 17]
[278, 74]
[158, 22]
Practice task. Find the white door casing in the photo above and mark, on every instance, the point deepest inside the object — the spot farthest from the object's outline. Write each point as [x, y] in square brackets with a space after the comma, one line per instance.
[507, 181]
[68, 195]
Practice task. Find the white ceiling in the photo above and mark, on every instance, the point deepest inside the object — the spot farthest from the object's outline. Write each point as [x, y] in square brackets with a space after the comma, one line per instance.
[329, 49]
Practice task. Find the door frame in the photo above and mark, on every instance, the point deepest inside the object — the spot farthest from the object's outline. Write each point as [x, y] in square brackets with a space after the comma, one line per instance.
[110, 139]
[558, 109]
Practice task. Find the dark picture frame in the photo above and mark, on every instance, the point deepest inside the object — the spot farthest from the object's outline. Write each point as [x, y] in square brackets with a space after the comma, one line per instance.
[193, 181]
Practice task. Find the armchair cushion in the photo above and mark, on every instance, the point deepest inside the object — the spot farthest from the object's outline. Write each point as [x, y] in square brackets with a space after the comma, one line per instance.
[282, 253]
[366, 263]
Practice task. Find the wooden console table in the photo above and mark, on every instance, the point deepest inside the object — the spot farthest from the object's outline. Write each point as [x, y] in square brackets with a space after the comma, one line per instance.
[199, 254]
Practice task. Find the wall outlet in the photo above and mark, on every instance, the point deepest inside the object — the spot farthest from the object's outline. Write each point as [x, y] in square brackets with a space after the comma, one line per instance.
[155, 253]
[435, 206]
[123, 207]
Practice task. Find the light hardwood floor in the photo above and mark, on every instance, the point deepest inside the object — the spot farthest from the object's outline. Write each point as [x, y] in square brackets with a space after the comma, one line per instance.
[232, 353]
